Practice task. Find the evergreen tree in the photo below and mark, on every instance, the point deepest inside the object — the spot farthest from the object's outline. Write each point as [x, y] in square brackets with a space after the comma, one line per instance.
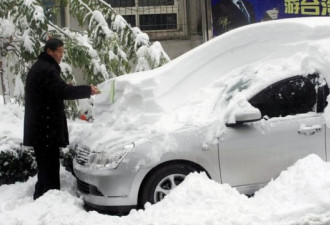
[107, 49]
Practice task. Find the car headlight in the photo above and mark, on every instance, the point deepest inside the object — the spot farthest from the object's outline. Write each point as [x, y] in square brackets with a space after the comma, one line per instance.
[109, 160]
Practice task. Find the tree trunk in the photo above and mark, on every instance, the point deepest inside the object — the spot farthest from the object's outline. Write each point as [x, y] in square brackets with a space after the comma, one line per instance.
[4, 85]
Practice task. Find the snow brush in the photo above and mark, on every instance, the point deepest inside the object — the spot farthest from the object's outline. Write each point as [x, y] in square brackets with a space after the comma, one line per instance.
[111, 91]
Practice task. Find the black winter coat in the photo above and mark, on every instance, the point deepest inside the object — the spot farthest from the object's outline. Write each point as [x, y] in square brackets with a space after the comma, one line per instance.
[45, 122]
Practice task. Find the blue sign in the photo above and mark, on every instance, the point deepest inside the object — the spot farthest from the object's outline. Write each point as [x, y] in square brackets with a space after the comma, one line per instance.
[230, 14]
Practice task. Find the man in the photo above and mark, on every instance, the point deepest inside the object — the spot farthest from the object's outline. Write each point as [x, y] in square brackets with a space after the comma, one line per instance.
[230, 14]
[45, 125]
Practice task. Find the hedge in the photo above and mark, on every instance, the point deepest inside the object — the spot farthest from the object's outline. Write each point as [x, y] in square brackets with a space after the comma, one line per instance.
[19, 163]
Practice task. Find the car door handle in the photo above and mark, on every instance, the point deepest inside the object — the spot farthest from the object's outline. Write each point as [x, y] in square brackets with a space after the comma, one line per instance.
[309, 130]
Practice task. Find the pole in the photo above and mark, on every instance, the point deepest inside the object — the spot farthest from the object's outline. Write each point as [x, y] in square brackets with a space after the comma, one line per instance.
[206, 20]
[2, 83]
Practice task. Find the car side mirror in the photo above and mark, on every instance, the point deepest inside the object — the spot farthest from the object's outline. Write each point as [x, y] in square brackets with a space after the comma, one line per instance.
[245, 115]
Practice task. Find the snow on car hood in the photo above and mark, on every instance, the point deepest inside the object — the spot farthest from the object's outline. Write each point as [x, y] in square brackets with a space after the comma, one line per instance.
[201, 88]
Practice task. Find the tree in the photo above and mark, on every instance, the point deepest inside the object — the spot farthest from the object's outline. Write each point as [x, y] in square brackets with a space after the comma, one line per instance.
[119, 44]
[109, 46]
[18, 27]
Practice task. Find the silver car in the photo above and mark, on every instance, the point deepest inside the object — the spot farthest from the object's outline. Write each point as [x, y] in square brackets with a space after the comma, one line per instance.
[281, 121]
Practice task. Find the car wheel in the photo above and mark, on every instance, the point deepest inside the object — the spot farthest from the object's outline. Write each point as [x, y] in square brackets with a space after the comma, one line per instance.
[163, 180]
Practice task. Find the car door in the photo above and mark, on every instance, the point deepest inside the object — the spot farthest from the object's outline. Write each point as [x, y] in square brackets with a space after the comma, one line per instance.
[292, 128]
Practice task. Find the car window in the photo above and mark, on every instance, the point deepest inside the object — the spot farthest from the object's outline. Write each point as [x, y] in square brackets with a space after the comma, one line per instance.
[291, 96]
[322, 93]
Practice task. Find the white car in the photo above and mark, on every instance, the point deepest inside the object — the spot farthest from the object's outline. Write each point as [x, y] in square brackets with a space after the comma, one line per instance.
[241, 107]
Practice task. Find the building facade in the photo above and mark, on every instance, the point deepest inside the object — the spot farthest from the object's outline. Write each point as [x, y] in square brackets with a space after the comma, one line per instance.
[176, 24]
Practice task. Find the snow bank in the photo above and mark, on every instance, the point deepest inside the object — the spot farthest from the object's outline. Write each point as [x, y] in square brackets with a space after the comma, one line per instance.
[294, 196]
[300, 195]
[12, 121]
[11, 129]
[300, 191]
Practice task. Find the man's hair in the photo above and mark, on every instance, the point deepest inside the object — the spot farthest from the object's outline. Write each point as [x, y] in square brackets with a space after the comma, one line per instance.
[53, 44]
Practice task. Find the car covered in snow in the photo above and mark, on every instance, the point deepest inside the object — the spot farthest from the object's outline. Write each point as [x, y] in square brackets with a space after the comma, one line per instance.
[242, 107]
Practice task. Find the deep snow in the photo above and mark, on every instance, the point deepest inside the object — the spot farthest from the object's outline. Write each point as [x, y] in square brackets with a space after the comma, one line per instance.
[299, 196]
[158, 102]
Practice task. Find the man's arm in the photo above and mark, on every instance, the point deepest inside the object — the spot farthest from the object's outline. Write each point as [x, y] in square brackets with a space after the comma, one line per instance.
[54, 85]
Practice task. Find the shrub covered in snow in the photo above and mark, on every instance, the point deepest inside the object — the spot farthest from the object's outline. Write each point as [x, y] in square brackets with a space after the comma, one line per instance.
[67, 156]
[17, 164]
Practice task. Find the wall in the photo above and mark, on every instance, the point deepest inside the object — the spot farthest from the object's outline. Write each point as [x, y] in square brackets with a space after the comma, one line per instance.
[175, 48]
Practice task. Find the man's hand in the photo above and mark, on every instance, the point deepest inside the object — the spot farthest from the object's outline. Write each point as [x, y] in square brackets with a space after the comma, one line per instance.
[94, 90]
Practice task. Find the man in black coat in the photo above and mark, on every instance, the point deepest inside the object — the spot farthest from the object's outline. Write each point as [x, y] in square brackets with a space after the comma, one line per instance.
[230, 14]
[45, 125]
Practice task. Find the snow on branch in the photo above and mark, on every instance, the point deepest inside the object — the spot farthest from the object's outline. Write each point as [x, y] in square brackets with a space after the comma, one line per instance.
[109, 47]
[126, 39]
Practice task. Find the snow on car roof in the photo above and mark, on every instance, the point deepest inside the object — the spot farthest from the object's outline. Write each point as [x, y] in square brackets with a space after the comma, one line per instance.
[193, 90]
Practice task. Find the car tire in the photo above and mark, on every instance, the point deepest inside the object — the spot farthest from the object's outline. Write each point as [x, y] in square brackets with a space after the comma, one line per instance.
[163, 180]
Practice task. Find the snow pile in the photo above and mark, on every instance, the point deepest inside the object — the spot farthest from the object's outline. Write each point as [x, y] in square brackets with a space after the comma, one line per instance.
[299, 196]
[306, 184]
[11, 129]
[294, 196]
[202, 88]
[12, 120]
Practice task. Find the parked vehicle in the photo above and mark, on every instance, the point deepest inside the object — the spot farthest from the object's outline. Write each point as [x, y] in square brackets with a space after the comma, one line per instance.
[269, 90]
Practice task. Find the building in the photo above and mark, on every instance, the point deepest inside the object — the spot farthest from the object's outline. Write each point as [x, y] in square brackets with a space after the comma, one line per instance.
[176, 24]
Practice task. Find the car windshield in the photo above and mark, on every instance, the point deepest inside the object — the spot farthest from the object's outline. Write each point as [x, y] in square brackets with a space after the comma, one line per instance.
[238, 86]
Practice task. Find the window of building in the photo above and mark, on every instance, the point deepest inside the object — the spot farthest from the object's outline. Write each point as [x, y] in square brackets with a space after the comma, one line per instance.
[155, 2]
[122, 3]
[159, 18]
[130, 19]
[158, 22]
[54, 12]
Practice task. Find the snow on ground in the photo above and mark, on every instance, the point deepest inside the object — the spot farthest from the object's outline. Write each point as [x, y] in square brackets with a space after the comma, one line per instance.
[299, 196]
[11, 125]
[172, 97]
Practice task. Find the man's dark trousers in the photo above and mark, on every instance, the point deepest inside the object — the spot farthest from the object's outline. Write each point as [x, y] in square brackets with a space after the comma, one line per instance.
[48, 170]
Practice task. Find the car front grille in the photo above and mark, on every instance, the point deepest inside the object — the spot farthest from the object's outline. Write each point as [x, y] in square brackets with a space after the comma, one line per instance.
[83, 153]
